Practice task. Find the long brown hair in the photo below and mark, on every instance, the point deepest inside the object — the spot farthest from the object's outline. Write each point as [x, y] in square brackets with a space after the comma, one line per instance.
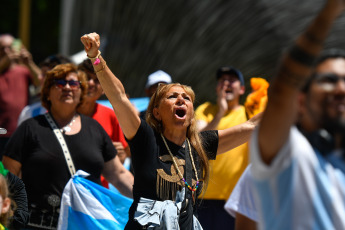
[192, 132]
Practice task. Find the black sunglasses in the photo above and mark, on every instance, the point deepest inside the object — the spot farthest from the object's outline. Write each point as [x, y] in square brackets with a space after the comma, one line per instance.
[61, 83]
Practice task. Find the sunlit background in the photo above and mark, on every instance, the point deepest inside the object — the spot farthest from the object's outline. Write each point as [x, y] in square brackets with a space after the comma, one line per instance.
[189, 39]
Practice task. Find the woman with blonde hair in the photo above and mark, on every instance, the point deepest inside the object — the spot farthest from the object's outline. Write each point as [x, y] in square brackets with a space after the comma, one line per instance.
[170, 158]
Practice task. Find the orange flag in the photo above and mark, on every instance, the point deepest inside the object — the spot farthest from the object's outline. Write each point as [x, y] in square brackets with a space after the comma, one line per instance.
[256, 101]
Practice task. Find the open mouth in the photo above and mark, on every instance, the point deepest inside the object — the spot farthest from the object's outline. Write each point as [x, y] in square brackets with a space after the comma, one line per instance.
[180, 112]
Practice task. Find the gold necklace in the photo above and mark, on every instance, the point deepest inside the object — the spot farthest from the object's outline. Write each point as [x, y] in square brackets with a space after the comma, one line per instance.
[179, 172]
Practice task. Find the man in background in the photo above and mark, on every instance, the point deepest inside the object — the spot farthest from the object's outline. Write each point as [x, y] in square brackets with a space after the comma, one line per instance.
[152, 83]
[228, 167]
[299, 177]
[17, 73]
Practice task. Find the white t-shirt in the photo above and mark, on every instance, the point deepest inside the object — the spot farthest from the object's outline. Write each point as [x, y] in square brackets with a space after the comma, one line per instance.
[300, 189]
[241, 199]
[30, 111]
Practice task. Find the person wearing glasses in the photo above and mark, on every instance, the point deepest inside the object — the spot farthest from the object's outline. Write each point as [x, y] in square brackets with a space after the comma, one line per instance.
[36, 108]
[296, 179]
[34, 153]
[169, 156]
[320, 127]
[18, 72]
[227, 112]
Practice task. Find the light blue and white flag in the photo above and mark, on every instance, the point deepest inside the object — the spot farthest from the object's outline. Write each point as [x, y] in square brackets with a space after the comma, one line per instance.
[87, 205]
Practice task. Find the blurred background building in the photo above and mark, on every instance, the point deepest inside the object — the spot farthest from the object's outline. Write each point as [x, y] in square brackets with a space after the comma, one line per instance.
[189, 39]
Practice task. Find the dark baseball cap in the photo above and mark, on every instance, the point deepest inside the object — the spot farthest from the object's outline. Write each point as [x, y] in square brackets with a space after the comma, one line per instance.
[230, 70]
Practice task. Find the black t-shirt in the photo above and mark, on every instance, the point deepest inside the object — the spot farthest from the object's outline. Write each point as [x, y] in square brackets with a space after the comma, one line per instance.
[44, 168]
[155, 175]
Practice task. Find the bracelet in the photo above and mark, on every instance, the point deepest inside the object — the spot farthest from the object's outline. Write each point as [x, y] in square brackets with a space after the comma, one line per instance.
[95, 60]
[103, 67]
[301, 56]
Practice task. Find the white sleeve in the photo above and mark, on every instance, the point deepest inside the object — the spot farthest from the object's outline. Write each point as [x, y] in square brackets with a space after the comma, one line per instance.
[241, 199]
[24, 115]
[30, 111]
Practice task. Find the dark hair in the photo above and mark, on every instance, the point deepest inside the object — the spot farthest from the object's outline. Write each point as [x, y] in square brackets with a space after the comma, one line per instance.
[86, 65]
[325, 55]
[330, 53]
[54, 60]
[60, 72]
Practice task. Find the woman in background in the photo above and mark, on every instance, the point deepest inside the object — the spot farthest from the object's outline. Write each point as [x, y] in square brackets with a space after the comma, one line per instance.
[39, 159]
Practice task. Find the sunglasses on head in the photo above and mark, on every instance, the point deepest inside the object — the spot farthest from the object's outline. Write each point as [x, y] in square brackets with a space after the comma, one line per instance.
[329, 78]
[61, 83]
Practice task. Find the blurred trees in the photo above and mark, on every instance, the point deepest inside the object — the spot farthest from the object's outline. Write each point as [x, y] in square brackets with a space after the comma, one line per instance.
[44, 28]
[189, 39]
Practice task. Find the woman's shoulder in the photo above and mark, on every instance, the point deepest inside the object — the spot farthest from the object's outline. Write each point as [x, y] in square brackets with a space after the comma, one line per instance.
[89, 120]
[89, 124]
[144, 132]
[209, 134]
[33, 120]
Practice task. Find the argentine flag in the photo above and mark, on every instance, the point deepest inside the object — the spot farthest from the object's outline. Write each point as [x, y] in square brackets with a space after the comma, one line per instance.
[87, 205]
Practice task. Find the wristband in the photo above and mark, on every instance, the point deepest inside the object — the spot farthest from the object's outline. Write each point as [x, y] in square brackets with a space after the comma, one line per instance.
[301, 56]
[95, 60]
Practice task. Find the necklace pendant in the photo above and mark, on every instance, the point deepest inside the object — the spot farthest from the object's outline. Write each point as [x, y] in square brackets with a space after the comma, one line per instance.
[67, 129]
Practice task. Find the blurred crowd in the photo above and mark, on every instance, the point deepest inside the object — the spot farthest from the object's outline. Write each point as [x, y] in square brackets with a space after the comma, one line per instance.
[197, 167]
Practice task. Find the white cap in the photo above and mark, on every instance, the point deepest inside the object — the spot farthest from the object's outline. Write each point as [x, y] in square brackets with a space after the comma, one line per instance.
[3, 131]
[156, 77]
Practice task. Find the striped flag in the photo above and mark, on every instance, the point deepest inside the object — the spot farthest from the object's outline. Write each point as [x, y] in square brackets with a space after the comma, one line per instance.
[87, 205]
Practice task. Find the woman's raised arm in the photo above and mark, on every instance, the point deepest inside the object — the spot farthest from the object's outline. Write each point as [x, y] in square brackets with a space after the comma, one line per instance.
[237, 135]
[112, 86]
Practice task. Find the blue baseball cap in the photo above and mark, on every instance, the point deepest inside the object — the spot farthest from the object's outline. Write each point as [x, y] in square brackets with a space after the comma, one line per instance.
[230, 70]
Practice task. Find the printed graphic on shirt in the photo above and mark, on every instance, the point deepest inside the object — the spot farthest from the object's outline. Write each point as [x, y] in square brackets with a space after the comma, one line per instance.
[168, 183]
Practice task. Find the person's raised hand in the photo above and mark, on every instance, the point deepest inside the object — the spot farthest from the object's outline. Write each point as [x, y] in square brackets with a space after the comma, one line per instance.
[91, 44]
[221, 98]
[337, 5]
[25, 56]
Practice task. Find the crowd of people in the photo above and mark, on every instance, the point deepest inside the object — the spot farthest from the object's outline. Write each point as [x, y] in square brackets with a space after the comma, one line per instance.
[213, 167]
